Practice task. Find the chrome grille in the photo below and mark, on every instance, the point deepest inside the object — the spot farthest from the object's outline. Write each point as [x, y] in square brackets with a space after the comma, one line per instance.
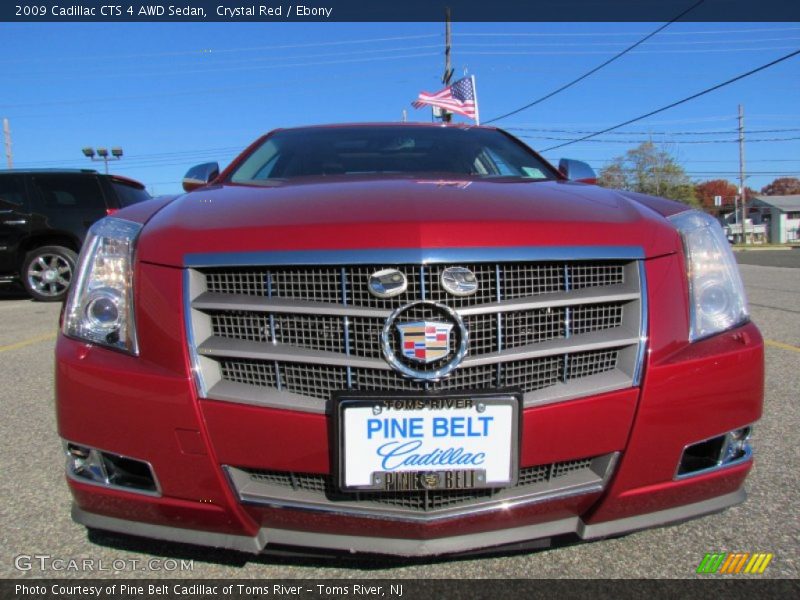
[317, 492]
[565, 468]
[595, 317]
[321, 381]
[327, 333]
[251, 372]
[523, 280]
[585, 275]
[583, 364]
[418, 501]
[517, 280]
[555, 330]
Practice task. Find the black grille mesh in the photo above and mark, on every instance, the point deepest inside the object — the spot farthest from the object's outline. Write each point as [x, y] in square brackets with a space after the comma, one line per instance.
[320, 381]
[326, 333]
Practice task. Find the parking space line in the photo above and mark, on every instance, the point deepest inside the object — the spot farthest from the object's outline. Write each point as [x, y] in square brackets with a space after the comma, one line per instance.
[28, 342]
[781, 345]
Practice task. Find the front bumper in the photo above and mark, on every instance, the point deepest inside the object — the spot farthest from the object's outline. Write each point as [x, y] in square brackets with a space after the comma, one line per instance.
[532, 536]
[149, 410]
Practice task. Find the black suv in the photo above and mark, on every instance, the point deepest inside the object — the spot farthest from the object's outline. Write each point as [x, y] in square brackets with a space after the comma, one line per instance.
[44, 217]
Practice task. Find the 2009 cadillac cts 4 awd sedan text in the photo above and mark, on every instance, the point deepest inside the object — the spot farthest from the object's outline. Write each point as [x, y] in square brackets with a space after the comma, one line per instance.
[404, 339]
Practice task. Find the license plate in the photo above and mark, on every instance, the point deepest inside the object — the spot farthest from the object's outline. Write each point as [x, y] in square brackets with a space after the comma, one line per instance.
[408, 443]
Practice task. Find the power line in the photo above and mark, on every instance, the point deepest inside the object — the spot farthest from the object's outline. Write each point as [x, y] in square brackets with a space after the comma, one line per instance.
[265, 67]
[640, 140]
[149, 160]
[776, 173]
[176, 153]
[718, 132]
[679, 102]
[669, 122]
[517, 44]
[713, 172]
[223, 65]
[212, 91]
[698, 161]
[598, 52]
[730, 117]
[597, 68]
[211, 51]
[618, 33]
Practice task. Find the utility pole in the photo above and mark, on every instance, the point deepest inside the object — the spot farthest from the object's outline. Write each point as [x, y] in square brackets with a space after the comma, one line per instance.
[7, 137]
[448, 70]
[742, 191]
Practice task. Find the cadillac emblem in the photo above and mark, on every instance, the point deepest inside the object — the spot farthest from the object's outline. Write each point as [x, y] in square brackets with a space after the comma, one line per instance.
[425, 341]
[426, 349]
[429, 480]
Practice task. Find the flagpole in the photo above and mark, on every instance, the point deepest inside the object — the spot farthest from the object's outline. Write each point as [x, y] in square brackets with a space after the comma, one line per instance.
[475, 95]
[448, 71]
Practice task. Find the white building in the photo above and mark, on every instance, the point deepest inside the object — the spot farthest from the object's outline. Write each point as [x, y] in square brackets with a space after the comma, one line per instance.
[780, 214]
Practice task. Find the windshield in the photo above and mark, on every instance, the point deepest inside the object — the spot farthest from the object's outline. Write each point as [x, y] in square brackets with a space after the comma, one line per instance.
[404, 150]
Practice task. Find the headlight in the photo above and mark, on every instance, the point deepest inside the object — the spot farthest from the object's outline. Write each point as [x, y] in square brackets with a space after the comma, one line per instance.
[100, 304]
[716, 293]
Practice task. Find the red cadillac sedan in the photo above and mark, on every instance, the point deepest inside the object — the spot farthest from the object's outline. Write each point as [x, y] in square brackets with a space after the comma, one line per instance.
[404, 339]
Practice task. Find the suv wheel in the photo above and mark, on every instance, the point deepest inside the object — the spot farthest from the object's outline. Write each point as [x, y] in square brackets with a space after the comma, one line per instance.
[48, 271]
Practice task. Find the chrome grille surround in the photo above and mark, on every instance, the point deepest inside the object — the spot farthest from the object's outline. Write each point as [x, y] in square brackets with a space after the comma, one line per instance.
[271, 330]
[319, 492]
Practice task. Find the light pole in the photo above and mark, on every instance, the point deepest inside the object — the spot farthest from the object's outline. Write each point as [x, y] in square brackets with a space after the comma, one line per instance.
[102, 155]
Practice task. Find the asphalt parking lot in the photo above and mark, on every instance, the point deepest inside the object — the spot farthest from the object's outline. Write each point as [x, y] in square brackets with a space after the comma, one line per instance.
[34, 513]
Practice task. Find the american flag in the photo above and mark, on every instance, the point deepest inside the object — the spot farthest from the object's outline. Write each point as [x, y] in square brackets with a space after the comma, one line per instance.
[458, 98]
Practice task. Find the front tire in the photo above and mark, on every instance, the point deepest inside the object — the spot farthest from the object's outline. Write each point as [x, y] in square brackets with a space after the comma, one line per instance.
[47, 272]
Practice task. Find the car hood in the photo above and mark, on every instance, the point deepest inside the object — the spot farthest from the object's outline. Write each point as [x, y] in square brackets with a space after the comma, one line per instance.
[399, 213]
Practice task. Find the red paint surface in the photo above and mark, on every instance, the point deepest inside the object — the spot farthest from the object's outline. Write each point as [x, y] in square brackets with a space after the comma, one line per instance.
[364, 213]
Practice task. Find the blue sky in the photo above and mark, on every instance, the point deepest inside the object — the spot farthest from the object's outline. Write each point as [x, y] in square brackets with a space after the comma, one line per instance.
[177, 94]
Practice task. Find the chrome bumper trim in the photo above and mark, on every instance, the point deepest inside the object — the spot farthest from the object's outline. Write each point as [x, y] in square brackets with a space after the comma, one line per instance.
[264, 494]
[430, 547]
[403, 546]
[662, 517]
[242, 543]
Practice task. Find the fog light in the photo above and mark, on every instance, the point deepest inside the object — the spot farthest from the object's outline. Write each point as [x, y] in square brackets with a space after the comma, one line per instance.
[715, 453]
[736, 445]
[86, 463]
[741, 434]
[90, 465]
[78, 452]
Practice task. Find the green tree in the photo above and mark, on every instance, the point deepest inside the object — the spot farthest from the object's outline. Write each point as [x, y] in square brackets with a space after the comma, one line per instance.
[651, 170]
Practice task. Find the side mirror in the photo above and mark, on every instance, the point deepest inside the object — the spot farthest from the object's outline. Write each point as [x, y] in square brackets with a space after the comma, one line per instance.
[200, 175]
[576, 170]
